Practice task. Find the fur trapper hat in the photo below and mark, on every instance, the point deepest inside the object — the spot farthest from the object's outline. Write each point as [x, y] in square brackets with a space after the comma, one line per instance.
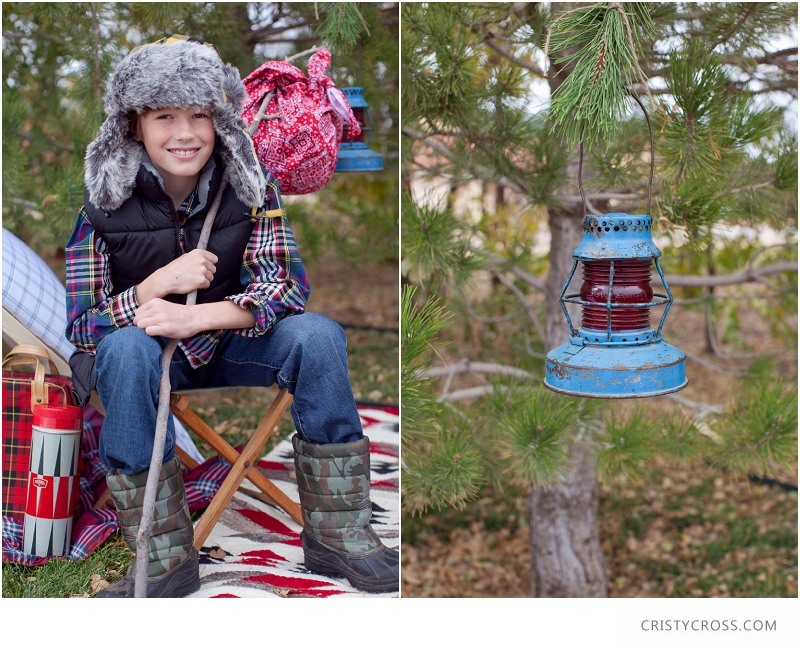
[174, 72]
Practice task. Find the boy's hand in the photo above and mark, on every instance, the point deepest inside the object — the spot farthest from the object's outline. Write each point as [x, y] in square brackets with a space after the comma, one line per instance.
[192, 270]
[159, 317]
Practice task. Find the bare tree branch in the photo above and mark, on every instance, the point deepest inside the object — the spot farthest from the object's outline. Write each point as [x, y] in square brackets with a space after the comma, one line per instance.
[484, 319]
[466, 393]
[752, 188]
[749, 275]
[713, 366]
[529, 279]
[523, 299]
[600, 196]
[466, 366]
[702, 410]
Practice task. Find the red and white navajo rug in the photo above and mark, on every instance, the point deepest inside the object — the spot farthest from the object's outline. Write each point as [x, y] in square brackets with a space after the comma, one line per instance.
[254, 550]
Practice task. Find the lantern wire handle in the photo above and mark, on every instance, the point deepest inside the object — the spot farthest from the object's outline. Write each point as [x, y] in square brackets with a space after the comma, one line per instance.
[652, 157]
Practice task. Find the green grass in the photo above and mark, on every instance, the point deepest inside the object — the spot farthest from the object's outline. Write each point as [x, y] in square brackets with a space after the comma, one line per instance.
[63, 578]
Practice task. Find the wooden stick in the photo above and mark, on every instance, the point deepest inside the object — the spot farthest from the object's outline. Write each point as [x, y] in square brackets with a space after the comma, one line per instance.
[157, 458]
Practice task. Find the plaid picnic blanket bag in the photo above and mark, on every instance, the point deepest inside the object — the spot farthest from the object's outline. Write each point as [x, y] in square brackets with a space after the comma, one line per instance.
[298, 139]
[21, 391]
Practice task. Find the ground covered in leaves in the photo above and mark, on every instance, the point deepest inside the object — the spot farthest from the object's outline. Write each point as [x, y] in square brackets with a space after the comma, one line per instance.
[682, 532]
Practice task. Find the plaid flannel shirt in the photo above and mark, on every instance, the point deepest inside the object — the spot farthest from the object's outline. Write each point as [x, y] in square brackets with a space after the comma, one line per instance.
[274, 282]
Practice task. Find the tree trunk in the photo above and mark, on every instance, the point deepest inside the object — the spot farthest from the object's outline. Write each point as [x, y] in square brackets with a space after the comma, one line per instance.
[566, 557]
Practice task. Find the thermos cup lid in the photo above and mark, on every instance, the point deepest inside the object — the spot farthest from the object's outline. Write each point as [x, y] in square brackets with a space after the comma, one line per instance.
[69, 418]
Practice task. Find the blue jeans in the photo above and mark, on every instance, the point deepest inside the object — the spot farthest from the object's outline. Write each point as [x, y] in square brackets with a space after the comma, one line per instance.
[305, 353]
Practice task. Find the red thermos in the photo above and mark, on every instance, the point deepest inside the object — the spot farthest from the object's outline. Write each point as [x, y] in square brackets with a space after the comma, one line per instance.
[53, 480]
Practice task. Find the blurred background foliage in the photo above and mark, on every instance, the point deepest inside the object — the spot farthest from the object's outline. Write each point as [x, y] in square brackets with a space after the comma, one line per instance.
[56, 57]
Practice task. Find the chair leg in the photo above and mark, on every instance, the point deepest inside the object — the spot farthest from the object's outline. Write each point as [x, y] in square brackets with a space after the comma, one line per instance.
[243, 464]
[185, 458]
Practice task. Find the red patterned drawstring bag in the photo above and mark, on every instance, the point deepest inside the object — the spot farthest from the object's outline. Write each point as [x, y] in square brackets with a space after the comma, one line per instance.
[298, 139]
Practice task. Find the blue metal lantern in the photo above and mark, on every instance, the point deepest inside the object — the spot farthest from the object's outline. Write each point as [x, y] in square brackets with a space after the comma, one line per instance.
[354, 153]
[615, 353]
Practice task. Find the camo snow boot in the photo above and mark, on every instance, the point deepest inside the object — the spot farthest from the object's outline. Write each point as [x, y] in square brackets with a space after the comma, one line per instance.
[334, 496]
[173, 569]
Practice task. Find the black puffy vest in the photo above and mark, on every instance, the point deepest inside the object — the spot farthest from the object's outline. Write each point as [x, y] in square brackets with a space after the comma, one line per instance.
[143, 235]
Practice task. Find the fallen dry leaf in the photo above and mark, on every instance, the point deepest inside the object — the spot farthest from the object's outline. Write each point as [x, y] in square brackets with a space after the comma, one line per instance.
[218, 553]
[97, 583]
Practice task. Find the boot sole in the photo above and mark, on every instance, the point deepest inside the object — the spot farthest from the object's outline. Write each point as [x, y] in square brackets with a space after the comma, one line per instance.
[180, 582]
[369, 587]
[315, 563]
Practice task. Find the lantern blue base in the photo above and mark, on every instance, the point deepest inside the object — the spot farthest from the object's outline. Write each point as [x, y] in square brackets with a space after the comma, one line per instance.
[357, 157]
[616, 372]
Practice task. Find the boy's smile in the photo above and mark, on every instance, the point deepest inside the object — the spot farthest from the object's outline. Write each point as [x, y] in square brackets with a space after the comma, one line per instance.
[179, 142]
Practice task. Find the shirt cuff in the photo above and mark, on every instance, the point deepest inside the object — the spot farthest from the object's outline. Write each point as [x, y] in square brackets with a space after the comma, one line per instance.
[265, 317]
[123, 307]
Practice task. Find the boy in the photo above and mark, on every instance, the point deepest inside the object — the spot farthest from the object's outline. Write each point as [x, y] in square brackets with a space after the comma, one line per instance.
[151, 175]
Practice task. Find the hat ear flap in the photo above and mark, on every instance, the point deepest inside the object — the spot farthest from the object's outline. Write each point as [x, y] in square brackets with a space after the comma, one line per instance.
[233, 87]
[111, 164]
[236, 149]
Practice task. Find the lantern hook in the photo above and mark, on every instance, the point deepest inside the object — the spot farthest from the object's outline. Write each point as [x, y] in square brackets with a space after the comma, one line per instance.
[652, 157]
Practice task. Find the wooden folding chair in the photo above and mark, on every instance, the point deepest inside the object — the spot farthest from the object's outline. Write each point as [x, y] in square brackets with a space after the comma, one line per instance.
[243, 464]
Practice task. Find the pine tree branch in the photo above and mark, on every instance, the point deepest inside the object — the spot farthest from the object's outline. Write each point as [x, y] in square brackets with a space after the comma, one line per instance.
[480, 172]
[739, 24]
[258, 36]
[50, 141]
[490, 41]
[637, 67]
[19, 36]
